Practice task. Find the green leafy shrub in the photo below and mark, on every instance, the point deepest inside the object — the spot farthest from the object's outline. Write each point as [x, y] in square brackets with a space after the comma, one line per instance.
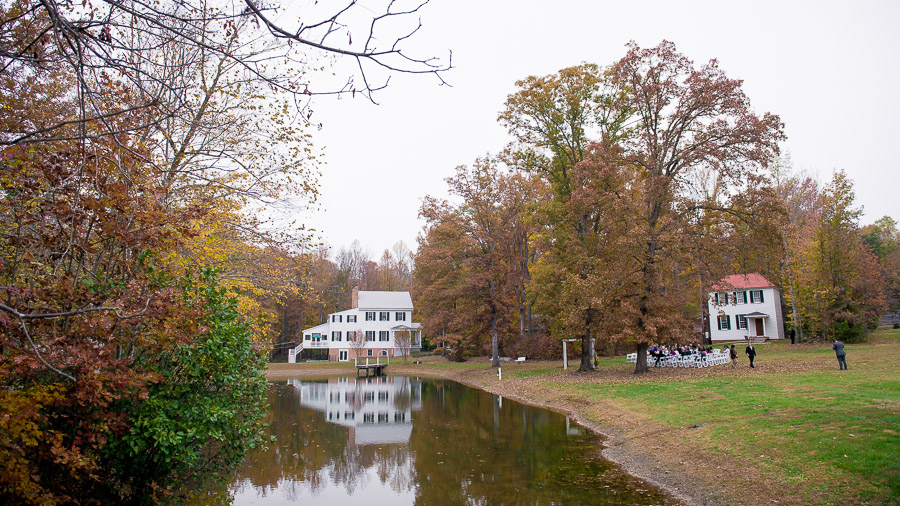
[204, 412]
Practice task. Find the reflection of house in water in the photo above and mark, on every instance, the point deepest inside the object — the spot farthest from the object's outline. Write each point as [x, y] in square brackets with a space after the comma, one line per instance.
[377, 409]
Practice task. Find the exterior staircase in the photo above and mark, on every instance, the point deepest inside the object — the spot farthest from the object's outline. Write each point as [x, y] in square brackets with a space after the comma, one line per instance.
[294, 353]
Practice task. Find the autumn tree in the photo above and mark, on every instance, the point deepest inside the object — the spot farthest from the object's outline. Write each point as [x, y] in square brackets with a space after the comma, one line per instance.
[584, 275]
[685, 119]
[132, 44]
[464, 269]
[134, 156]
[671, 121]
[800, 196]
[403, 341]
[883, 237]
[357, 340]
[842, 289]
[554, 119]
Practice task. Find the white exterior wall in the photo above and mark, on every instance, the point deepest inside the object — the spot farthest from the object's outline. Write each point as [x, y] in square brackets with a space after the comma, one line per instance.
[367, 405]
[344, 327]
[773, 326]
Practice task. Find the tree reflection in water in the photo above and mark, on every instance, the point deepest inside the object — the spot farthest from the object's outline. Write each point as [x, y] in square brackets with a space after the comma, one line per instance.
[399, 440]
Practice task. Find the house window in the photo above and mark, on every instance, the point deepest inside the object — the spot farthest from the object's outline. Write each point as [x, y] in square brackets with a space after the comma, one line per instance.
[351, 318]
[400, 316]
[740, 297]
[741, 321]
[349, 415]
[383, 417]
[336, 335]
[383, 353]
[382, 397]
[721, 298]
[369, 396]
[370, 335]
[724, 322]
[399, 417]
[384, 316]
[368, 417]
[306, 337]
[370, 316]
[384, 335]
[369, 354]
[756, 296]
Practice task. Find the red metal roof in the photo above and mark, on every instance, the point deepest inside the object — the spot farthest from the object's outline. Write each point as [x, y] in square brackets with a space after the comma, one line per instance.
[743, 281]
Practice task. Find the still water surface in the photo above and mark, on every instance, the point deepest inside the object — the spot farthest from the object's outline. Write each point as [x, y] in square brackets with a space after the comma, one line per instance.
[404, 441]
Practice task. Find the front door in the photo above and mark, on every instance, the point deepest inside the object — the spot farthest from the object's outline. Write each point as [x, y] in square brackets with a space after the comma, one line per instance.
[759, 327]
[342, 356]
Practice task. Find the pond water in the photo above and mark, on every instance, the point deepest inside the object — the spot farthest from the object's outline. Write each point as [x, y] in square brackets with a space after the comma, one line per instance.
[398, 441]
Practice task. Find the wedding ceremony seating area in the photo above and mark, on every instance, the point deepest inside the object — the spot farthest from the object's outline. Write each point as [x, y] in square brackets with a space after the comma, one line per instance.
[683, 356]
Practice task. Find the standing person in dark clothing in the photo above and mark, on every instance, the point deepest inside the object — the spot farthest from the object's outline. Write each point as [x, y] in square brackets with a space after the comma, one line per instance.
[751, 352]
[838, 348]
[733, 353]
[793, 336]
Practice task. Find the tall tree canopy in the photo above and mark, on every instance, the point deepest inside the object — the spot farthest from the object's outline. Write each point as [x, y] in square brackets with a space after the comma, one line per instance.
[663, 124]
[467, 268]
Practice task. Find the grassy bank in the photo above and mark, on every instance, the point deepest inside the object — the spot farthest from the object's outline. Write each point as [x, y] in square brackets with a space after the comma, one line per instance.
[794, 430]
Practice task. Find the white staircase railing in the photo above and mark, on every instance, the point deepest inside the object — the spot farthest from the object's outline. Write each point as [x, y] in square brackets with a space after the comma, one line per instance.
[294, 352]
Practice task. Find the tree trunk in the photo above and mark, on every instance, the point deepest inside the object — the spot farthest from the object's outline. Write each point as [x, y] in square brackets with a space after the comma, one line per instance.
[793, 298]
[640, 366]
[587, 352]
[523, 316]
[495, 355]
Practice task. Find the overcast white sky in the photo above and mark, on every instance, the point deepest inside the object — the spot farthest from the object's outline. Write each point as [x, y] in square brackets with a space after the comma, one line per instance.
[831, 70]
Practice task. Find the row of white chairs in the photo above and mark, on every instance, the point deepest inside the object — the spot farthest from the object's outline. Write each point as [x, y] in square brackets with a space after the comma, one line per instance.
[717, 357]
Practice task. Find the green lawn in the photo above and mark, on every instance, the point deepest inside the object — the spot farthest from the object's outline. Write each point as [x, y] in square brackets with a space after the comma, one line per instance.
[830, 435]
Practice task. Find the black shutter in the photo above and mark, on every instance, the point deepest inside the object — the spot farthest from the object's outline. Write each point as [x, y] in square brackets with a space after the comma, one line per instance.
[761, 299]
[728, 322]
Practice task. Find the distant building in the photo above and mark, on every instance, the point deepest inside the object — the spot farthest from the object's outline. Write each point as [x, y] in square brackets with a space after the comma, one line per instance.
[382, 319]
[743, 305]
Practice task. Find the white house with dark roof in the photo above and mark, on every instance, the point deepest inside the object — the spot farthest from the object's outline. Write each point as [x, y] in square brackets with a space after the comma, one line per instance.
[383, 319]
[745, 305]
[378, 410]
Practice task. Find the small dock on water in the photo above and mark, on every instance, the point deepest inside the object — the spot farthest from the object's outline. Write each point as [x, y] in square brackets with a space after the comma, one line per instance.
[377, 368]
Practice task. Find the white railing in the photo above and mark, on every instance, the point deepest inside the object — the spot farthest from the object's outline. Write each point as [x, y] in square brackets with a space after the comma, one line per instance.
[294, 352]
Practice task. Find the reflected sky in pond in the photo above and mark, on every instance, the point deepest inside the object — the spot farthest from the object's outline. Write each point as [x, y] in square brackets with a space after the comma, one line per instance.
[404, 441]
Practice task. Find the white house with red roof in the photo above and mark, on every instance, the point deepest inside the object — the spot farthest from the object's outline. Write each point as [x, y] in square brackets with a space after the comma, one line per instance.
[745, 305]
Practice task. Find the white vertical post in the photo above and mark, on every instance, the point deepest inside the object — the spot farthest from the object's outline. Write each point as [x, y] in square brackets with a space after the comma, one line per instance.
[500, 374]
[565, 357]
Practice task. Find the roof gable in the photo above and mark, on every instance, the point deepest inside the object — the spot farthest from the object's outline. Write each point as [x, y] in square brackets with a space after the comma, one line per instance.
[385, 300]
[743, 281]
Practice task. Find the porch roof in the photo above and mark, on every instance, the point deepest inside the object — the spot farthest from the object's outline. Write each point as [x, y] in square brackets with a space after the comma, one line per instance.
[318, 329]
[411, 326]
[756, 314]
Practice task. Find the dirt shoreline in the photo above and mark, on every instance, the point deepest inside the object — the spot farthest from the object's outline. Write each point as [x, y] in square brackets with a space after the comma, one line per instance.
[626, 452]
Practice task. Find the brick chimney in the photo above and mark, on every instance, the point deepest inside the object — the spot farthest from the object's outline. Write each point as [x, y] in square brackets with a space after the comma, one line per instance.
[354, 298]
